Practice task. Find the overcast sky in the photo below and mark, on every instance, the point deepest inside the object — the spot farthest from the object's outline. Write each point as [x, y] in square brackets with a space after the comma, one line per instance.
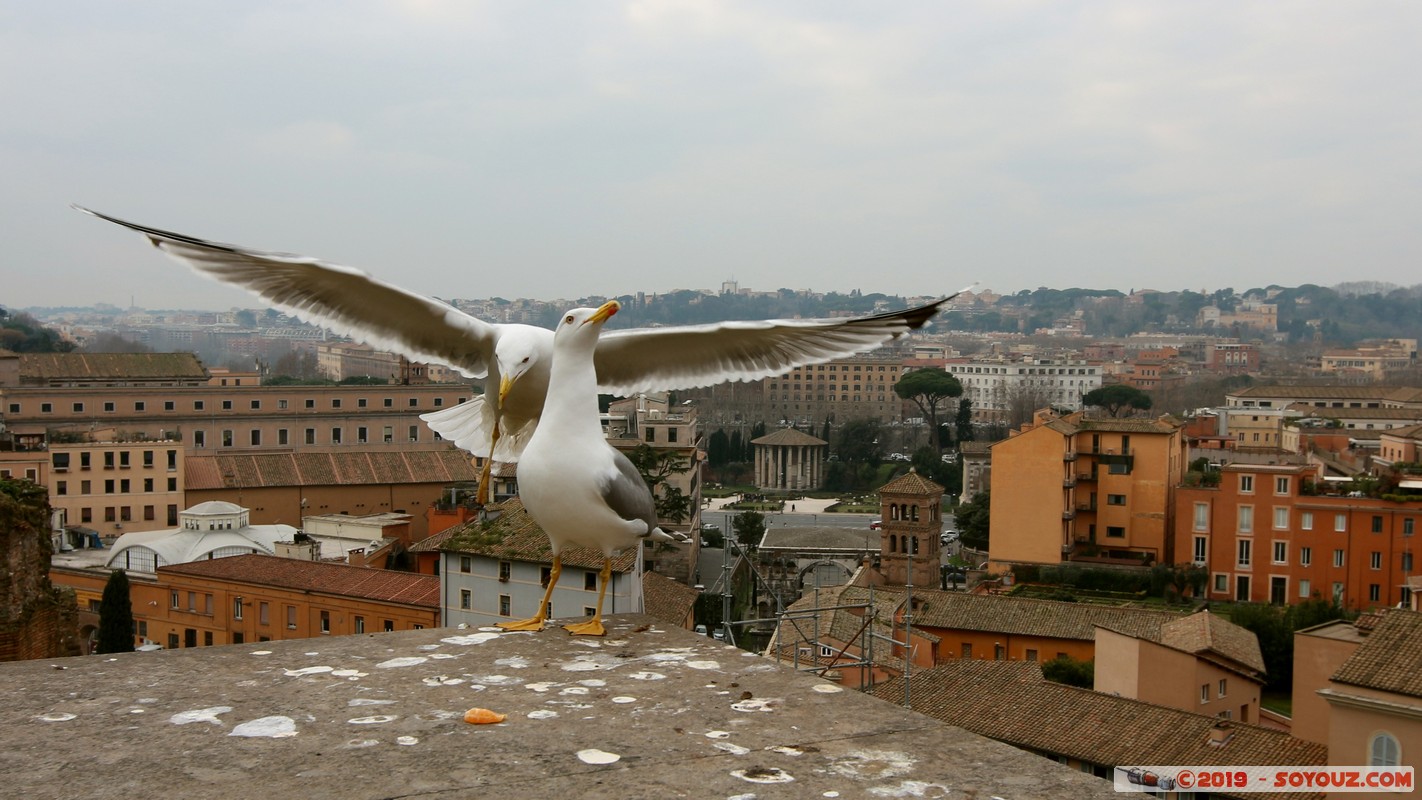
[524, 149]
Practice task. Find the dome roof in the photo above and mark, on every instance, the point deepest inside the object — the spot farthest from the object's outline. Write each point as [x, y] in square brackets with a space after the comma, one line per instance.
[214, 507]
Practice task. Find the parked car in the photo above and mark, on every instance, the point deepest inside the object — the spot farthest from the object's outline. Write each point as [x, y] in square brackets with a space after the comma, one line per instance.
[876, 524]
[949, 537]
[701, 629]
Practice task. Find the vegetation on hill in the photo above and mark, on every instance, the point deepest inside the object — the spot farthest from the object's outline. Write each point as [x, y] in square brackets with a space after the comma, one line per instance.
[22, 333]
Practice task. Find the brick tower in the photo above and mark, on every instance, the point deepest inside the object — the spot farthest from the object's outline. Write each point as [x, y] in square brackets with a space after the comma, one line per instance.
[912, 522]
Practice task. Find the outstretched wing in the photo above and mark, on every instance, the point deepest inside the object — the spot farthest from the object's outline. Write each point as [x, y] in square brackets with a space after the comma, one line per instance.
[346, 300]
[647, 359]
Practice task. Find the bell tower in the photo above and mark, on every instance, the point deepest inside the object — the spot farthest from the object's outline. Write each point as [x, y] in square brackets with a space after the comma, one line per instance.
[911, 509]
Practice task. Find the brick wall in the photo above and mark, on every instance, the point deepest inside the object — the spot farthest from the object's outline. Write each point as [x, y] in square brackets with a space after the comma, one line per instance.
[36, 619]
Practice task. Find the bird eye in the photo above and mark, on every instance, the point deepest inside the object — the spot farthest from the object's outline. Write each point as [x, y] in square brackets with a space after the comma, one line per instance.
[525, 359]
[568, 320]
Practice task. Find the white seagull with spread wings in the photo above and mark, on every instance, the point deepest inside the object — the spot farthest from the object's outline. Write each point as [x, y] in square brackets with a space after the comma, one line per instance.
[513, 359]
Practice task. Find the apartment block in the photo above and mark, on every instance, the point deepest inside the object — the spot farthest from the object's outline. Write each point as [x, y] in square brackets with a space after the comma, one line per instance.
[1264, 537]
[1086, 489]
[996, 386]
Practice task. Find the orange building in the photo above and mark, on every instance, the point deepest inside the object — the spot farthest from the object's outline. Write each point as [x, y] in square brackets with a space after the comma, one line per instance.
[1081, 488]
[1264, 539]
[256, 598]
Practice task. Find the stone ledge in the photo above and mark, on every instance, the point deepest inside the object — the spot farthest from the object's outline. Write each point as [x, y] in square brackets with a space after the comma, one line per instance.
[380, 716]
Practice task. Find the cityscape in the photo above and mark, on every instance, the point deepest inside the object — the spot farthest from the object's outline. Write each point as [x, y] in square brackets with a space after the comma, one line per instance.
[1218, 502]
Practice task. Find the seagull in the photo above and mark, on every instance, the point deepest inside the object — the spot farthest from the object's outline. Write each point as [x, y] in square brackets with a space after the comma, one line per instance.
[579, 488]
[513, 358]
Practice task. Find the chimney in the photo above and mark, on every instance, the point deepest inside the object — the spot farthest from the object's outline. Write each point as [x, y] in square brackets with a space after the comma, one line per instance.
[1220, 733]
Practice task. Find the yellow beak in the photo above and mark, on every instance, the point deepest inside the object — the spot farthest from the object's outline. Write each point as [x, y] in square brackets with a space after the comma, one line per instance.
[604, 312]
[505, 384]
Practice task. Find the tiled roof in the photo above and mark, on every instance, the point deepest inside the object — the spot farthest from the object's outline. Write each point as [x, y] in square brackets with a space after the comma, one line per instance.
[789, 436]
[514, 536]
[1308, 410]
[666, 599]
[1327, 390]
[1128, 425]
[1027, 617]
[110, 366]
[815, 620]
[1009, 701]
[974, 448]
[344, 467]
[1389, 657]
[1204, 632]
[405, 588]
[911, 483]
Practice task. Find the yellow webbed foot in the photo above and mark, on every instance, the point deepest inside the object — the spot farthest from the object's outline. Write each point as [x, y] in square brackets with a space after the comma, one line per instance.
[592, 627]
[535, 624]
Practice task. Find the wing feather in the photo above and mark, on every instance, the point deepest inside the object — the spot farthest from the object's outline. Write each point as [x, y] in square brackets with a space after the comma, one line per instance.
[648, 359]
[343, 299]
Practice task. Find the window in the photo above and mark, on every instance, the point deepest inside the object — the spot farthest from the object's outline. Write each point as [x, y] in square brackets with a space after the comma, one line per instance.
[1377, 524]
[466, 599]
[504, 606]
[1340, 522]
[281, 404]
[148, 459]
[169, 405]
[1115, 499]
[310, 402]
[1031, 655]
[282, 437]
[466, 564]
[198, 405]
[311, 436]
[335, 402]
[1375, 560]
[1281, 518]
[335, 436]
[1304, 588]
[61, 487]
[1201, 549]
[388, 624]
[325, 622]
[1246, 484]
[109, 406]
[236, 608]
[1202, 516]
[174, 599]
[414, 402]
[1383, 751]
[590, 581]
[389, 403]
[1281, 552]
[46, 408]
[256, 437]
[360, 624]
[504, 569]
[1222, 687]
[1281, 485]
[1374, 592]
[109, 460]
[1221, 582]
[414, 433]
[226, 405]
[1407, 562]
[78, 408]
[651, 434]
[1115, 532]
[360, 402]
[1246, 519]
[1246, 548]
[227, 438]
[1204, 693]
[545, 574]
[291, 617]
[967, 650]
[1407, 527]
[1337, 558]
[1306, 520]
[1305, 556]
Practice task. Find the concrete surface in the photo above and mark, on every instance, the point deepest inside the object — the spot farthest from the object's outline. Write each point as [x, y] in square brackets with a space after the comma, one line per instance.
[380, 716]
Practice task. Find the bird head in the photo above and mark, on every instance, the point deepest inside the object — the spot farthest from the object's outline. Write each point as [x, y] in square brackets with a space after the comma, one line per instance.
[516, 354]
[585, 323]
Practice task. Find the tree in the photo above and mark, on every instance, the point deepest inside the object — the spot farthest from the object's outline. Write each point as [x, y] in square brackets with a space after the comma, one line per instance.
[927, 388]
[963, 422]
[718, 448]
[1068, 670]
[973, 517]
[116, 615]
[749, 527]
[1117, 399]
[859, 442]
[655, 466]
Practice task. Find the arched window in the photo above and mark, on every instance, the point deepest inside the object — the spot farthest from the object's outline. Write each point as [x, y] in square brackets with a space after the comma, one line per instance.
[1383, 751]
[893, 543]
[915, 513]
[915, 545]
[893, 511]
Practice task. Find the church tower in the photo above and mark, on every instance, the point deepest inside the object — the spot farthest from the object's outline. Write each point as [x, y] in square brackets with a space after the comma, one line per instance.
[911, 509]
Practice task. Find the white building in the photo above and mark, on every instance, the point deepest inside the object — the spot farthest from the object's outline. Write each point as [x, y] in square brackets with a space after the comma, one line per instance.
[998, 385]
[213, 529]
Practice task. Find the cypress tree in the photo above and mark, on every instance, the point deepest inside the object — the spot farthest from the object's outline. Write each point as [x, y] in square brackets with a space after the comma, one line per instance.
[116, 616]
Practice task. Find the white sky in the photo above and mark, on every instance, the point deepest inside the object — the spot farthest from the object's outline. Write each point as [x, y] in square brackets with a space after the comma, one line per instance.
[527, 149]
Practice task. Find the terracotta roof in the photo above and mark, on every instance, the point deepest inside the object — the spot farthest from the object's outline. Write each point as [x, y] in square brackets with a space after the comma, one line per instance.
[1388, 658]
[911, 483]
[1325, 390]
[789, 436]
[405, 588]
[1009, 701]
[514, 536]
[815, 620]
[666, 599]
[358, 467]
[1028, 617]
[974, 448]
[1203, 632]
[110, 366]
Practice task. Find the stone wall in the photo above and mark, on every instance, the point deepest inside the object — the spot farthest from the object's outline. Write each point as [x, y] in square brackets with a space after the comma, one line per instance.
[37, 620]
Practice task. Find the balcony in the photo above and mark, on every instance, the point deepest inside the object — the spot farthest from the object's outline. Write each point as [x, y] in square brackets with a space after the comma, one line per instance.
[1089, 476]
[1069, 455]
[1068, 483]
[1086, 508]
[1069, 514]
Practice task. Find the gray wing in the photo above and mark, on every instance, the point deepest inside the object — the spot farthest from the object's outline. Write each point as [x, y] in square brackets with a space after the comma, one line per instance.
[647, 359]
[627, 494]
[346, 300]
